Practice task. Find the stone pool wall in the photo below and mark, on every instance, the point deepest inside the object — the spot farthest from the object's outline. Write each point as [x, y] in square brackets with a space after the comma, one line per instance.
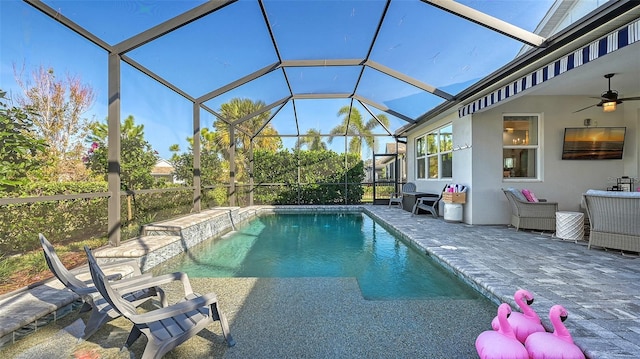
[164, 240]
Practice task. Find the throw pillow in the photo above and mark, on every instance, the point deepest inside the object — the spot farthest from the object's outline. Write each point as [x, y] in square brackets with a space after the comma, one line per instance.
[530, 196]
[516, 192]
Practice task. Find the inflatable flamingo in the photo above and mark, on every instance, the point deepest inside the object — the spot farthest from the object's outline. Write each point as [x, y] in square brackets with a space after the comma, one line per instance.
[525, 323]
[501, 344]
[558, 344]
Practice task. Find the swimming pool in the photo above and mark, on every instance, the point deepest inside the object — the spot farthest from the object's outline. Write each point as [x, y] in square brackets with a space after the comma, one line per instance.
[323, 245]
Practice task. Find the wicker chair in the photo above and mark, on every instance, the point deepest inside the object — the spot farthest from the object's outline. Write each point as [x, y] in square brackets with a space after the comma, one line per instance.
[614, 219]
[540, 216]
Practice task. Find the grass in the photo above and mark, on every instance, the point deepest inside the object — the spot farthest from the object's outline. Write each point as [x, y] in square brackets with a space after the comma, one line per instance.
[29, 268]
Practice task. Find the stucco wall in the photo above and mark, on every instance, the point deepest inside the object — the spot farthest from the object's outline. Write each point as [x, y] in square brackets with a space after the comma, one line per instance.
[563, 181]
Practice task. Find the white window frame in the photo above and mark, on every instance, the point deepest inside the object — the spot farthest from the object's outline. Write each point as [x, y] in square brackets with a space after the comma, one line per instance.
[537, 147]
[437, 154]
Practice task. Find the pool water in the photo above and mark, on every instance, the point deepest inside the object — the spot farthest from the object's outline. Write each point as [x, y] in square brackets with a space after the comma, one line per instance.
[324, 245]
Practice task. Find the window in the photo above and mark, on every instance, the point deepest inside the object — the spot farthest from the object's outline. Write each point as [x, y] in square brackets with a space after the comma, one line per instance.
[434, 154]
[520, 146]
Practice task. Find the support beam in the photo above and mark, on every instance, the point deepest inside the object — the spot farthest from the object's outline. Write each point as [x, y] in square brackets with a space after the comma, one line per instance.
[261, 110]
[231, 85]
[312, 96]
[410, 80]
[489, 22]
[254, 135]
[384, 108]
[251, 166]
[57, 16]
[113, 152]
[322, 63]
[231, 194]
[170, 25]
[197, 183]
[221, 118]
[375, 117]
[156, 77]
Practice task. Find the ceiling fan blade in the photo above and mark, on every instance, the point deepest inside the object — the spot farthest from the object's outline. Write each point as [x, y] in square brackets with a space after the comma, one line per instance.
[582, 109]
[629, 99]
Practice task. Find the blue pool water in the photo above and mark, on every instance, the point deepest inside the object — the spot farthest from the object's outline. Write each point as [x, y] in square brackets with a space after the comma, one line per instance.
[324, 245]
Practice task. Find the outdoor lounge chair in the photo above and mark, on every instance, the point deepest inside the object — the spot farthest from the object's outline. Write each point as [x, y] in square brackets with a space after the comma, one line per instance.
[429, 203]
[101, 311]
[396, 198]
[168, 327]
[614, 219]
[540, 216]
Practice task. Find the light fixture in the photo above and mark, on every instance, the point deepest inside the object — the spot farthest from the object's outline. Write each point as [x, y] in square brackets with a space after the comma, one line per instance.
[609, 106]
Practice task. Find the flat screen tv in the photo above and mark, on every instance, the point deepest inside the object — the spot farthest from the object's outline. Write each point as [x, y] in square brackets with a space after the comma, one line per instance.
[593, 143]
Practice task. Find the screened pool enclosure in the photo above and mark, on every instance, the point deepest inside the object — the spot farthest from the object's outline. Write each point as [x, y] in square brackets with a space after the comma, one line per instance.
[270, 101]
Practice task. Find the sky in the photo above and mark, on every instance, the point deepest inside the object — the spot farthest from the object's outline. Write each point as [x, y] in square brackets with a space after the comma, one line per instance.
[432, 46]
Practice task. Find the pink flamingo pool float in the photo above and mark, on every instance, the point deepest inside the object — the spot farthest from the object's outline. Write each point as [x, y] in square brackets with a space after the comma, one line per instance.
[525, 323]
[556, 345]
[501, 343]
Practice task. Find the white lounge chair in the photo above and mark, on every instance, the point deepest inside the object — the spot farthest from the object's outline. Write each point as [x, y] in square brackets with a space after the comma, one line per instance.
[101, 312]
[168, 327]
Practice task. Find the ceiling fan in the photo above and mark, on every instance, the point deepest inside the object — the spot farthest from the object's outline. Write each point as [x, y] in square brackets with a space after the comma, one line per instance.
[609, 99]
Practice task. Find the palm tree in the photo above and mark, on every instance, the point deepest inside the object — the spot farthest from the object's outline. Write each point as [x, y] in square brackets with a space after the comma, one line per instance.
[312, 140]
[353, 125]
[234, 110]
[238, 108]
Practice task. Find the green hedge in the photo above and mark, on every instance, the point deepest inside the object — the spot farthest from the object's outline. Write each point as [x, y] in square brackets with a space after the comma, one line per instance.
[62, 221]
[322, 177]
[79, 219]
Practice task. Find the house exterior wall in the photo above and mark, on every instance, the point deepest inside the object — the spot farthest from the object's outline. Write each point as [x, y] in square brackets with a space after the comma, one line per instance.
[480, 164]
[429, 185]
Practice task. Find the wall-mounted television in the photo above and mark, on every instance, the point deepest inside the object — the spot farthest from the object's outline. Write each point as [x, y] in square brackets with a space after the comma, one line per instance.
[593, 143]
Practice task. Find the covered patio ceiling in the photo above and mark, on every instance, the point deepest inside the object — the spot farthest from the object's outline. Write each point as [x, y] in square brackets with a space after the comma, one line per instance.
[401, 58]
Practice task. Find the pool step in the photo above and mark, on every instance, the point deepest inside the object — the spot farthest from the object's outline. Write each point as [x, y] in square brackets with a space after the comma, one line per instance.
[160, 230]
[164, 240]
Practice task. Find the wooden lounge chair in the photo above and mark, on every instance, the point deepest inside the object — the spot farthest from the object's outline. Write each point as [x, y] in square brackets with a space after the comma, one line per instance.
[396, 198]
[168, 327]
[101, 311]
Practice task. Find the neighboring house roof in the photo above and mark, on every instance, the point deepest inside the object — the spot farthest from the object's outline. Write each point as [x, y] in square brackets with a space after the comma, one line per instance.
[162, 167]
[391, 148]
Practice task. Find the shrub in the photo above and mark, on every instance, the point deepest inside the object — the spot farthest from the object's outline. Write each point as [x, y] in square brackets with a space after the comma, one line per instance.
[322, 177]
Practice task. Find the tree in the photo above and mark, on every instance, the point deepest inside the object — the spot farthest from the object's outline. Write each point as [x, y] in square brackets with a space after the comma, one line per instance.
[210, 164]
[235, 110]
[312, 140]
[20, 150]
[137, 157]
[353, 125]
[59, 105]
[238, 108]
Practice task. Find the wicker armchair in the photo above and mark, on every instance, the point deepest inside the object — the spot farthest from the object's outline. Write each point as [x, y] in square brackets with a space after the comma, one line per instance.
[614, 218]
[540, 216]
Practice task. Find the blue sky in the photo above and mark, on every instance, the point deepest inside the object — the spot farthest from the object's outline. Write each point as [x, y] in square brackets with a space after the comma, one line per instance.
[215, 50]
